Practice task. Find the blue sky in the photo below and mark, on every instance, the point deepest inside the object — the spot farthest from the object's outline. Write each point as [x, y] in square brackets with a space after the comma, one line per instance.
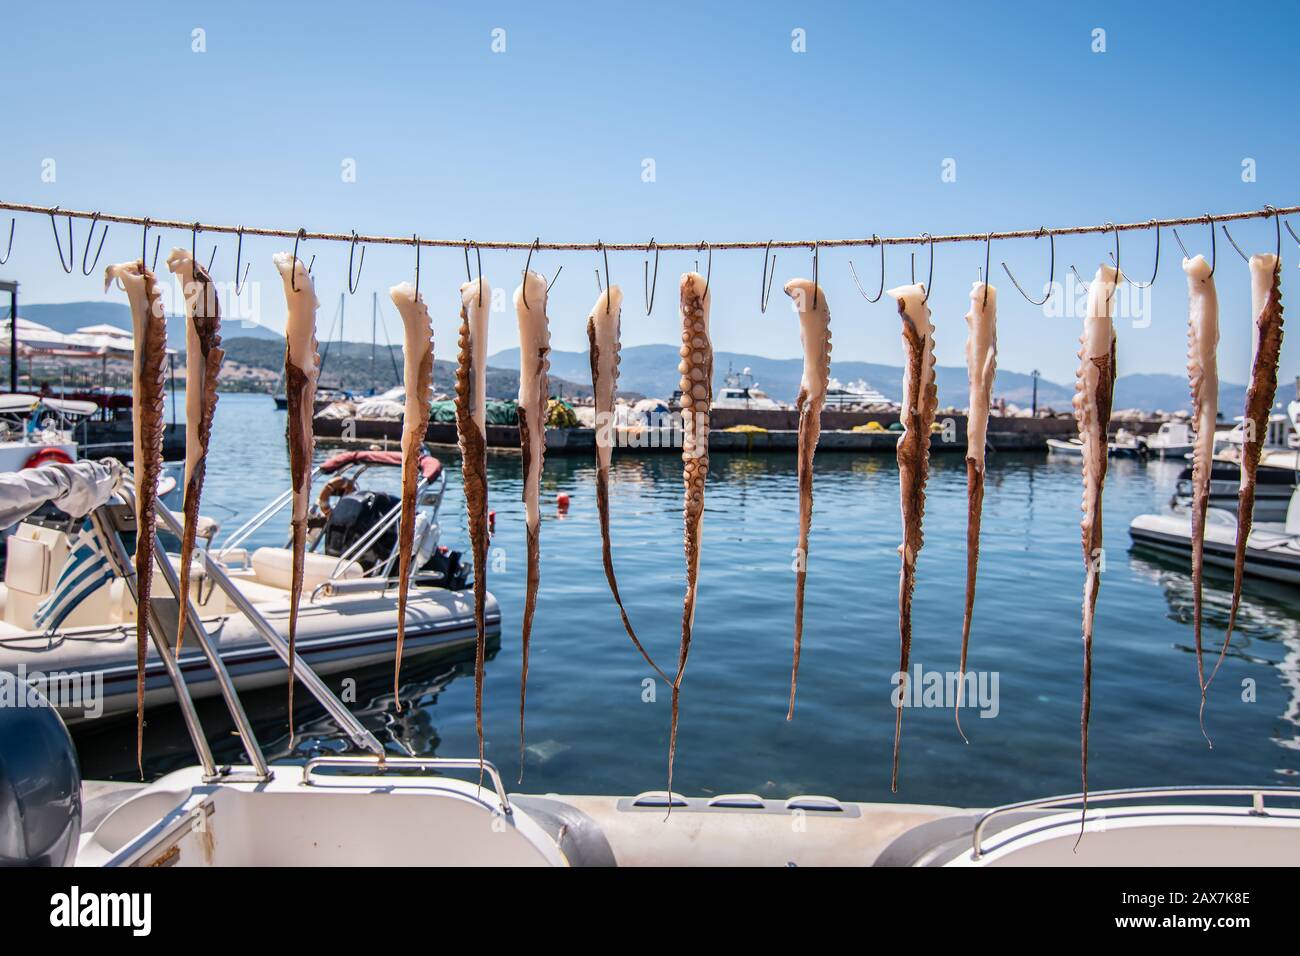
[750, 140]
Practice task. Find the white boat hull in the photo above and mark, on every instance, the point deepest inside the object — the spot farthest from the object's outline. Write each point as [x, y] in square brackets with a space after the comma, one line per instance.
[1270, 553]
[334, 634]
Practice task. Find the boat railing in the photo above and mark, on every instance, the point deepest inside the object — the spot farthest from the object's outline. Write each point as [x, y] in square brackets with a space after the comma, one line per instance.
[108, 531]
[302, 671]
[253, 524]
[1256, 795]
[359, 547]
[381, 764]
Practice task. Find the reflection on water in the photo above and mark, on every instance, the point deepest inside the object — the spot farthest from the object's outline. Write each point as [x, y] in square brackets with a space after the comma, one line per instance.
[597, 723]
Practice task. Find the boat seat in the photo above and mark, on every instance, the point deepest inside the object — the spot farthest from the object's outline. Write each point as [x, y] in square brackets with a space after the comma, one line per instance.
[274, 567]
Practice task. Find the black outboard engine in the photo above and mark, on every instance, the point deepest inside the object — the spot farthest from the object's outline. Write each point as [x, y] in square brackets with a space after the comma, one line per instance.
[40, 780]
[353, 518]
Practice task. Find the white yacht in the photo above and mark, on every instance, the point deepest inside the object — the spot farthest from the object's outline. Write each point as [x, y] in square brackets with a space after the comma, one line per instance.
[853, 395]
[34, 430]
[740, 391]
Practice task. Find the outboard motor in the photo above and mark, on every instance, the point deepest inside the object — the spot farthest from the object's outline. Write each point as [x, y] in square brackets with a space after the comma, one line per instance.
[40, 780]
[353, 518]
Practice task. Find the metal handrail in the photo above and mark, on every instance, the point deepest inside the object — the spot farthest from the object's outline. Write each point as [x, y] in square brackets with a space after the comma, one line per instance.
[302, 670]
[382, 763]
[268, 511]
[1257, 795]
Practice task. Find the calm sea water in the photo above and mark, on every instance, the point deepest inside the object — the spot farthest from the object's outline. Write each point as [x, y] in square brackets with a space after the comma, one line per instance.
[593, 727]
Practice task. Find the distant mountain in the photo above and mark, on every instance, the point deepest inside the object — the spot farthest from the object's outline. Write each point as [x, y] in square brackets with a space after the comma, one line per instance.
[70, 316]
[349, 365]
[652, 370]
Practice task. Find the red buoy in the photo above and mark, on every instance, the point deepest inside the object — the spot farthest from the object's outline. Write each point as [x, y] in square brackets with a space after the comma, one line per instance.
[48, 455]
[562, 502]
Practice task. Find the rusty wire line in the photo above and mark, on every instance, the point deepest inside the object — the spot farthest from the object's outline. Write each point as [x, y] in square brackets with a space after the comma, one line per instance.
[536, 245]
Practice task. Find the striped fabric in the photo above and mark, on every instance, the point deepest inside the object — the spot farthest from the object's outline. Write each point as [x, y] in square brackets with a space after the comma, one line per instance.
[85, 571]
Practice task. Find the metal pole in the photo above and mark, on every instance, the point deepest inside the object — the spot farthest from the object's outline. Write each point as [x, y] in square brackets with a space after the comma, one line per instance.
[228, 693]
[302, 671]
[117, 554]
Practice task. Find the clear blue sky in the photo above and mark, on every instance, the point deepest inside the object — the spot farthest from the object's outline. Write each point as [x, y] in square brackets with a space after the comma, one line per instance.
[750, 140]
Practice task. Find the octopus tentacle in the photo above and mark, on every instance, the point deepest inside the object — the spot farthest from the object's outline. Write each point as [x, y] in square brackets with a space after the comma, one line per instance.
[301, 372]
[920, 403]
[815, 334]
[1203, 379]
[149, 330]
[203, 358]
[603, 338]
[1266, 301]
[534, 347]
[417, 350]
[981, 366]
[696, 369]
[471, 425]
[1094, 392]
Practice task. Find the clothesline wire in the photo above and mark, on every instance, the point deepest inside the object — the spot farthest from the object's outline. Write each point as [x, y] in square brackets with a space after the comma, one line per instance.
[353, 237]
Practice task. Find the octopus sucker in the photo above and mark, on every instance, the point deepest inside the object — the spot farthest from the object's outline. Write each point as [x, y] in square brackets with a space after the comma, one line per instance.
[301, 371]
[1203, 379]
[471, 432]
[534, 347]
[1094, 391]
[603, 335]
[981, 367]
[696, 368]
[1266, 304]
[149, 330]
[203, 358]
[815, 335]
[417, 351]
[920, 403]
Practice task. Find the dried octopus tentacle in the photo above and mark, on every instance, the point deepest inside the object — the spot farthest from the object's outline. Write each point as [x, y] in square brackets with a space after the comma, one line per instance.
[1094, 392]
[417, 350]
[1203, 379]
[203, 358]
[149, 330]
[920, 403]
[471, 423]
[603, 337]
[534, 347]
[981, 366]
[301, 371]
[1266, 302]
[815, 334]
[696, 369]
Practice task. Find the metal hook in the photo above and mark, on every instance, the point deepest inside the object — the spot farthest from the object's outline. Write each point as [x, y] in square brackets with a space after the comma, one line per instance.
[765, 284]
[604, 252]
[649, 285]
[67, 267]
[709, 271]
[1277, 225]
[1244, 257]
[194, 243]
[1287, 224]
[930, 276]
[881, 291]
[1154, 269]
[414, 238]
[988, 245]
[10, 250]
[86, 251]
[1051, 270]
[197, 228]
[239, 251]
[354, 284]
[293, 266]
[478, 256]
[553, 278]
[1117, 271]
[144, 246]
[816, 267]
[523, 288]
[1214, 252]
